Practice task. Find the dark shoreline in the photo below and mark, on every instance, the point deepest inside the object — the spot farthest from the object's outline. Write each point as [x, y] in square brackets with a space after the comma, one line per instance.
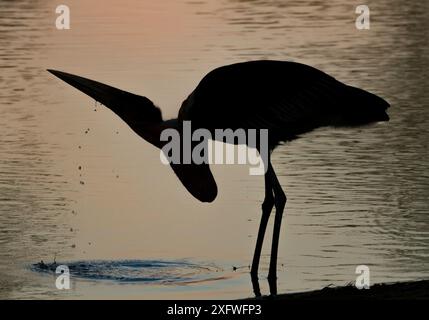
[418, 290]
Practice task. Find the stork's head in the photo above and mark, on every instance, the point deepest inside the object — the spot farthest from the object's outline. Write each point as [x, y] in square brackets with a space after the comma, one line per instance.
[132, 108]
[145, 119]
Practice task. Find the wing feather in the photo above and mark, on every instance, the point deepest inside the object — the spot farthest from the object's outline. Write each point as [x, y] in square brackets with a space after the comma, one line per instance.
[284, 97]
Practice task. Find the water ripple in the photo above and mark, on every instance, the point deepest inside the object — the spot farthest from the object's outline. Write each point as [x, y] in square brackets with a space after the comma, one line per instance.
[140, 271]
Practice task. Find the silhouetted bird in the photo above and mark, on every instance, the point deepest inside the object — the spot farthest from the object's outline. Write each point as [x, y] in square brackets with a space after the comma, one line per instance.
[287, 98]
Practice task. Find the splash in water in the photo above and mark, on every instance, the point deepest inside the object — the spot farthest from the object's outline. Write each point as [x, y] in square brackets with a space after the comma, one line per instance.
[141, 271]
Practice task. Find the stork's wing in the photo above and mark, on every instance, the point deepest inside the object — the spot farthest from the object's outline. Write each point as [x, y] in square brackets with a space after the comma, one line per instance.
[286, 98]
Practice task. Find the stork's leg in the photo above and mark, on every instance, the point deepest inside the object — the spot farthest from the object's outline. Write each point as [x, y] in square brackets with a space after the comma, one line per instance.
[267, 206]
[279, 202]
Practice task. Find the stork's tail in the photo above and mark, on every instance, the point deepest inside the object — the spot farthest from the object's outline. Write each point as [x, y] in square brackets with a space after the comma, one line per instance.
[362, 107]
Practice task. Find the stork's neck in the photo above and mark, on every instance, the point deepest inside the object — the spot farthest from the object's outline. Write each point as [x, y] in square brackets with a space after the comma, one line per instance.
[152, 132]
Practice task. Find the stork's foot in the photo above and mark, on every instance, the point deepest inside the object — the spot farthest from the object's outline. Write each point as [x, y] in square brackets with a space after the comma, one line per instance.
[272, 282]
[255, 284]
